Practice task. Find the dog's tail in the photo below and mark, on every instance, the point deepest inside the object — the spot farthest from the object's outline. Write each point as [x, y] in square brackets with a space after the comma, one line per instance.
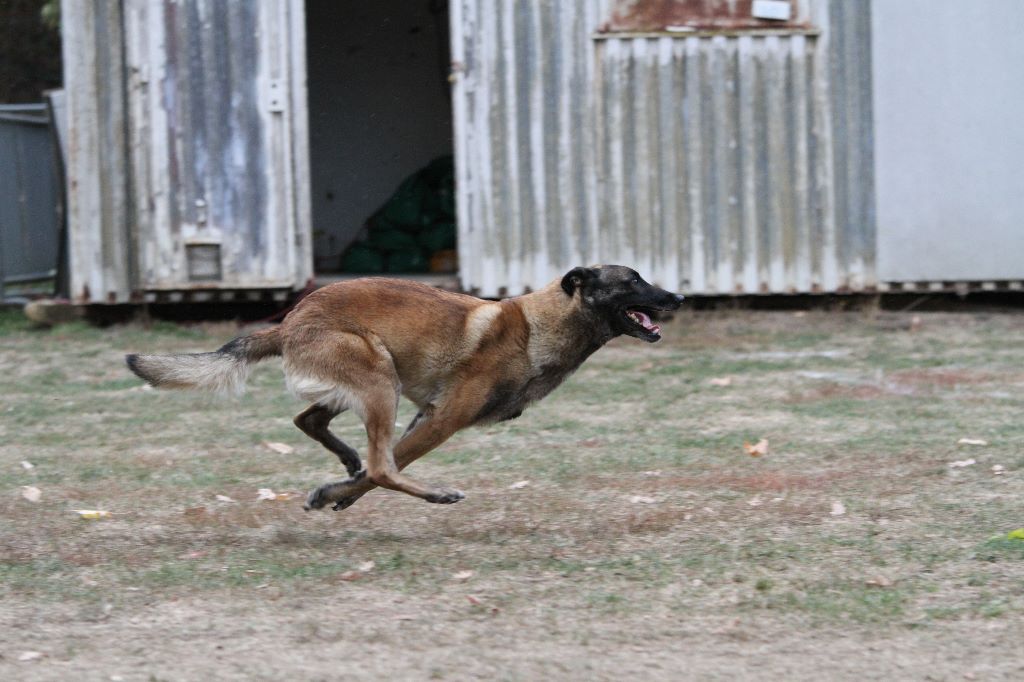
[225, 370]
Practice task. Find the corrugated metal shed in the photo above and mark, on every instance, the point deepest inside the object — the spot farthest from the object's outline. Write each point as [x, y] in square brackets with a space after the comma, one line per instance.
[187, 159]
[707, 160]
[30, 197]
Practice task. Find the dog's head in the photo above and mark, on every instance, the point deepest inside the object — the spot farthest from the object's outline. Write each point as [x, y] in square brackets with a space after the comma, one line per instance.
[621, 298]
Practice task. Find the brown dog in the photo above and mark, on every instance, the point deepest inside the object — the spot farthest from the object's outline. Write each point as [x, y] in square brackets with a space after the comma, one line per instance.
[461, 360]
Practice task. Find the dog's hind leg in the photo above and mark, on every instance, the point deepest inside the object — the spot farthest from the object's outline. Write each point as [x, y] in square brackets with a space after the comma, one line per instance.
[313, 422]
[426, 433]
[368, 383]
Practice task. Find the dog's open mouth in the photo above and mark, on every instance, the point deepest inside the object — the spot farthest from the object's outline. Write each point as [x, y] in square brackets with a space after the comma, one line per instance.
[641, 320]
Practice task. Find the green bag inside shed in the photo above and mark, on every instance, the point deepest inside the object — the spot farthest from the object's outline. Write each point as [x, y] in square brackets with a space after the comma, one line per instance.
[414, 224]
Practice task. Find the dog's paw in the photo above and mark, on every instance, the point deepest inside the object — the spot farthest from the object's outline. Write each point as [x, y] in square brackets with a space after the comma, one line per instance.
[317, 499]
[345, 502]
[445, 496]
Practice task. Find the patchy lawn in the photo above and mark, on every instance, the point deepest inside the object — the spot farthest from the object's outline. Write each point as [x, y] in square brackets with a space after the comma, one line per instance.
[645, 543]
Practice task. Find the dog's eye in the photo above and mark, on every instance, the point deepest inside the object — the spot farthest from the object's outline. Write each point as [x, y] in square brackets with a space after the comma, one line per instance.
[635, 280]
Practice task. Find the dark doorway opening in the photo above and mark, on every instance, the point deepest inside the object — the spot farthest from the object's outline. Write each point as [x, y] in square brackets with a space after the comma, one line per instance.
[380, 121]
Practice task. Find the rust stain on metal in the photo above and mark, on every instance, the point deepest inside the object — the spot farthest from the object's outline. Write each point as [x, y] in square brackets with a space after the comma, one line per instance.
[654, 16]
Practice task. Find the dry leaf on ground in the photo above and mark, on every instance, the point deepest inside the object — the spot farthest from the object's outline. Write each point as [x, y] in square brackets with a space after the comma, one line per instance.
[720, 381]
[462, 575]
[30, 655]
[279, 448]
[31, 493]
[92, 514]
[998, 469]
[971, 441]
[959, 464]
[757, 449]
[224, 498]
[519, 485]
[366, 566]
[642, 499]
[268, 494]
[838, 508]
[26, 465]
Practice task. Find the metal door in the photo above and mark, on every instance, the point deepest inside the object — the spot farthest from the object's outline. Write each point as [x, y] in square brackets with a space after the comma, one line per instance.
[217, 143]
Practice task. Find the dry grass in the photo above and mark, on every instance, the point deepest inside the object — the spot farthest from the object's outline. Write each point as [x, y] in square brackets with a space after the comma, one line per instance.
[646, 544]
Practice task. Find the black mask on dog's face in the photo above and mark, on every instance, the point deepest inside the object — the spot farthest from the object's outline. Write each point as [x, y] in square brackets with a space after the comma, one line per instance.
[622, 297]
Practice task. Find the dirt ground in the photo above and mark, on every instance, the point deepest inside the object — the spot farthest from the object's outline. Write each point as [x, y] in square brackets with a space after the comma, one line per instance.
[617, 530]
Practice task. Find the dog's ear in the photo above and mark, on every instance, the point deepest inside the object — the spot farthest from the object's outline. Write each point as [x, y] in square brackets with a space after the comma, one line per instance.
[576, 278]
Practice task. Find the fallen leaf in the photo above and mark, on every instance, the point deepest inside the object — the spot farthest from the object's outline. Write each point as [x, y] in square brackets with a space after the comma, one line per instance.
[959, 464]
[31, 493]
[462, 575]
[279, 448]
[92, 514]
[195, 513]
[878, 581]
[268, 494]
[755, 501]
[838, 508]
[642, 499]
[971, 441]
[350, 575]
[1015, 534]
[30, 655]
[998, 469]
[518, 485]
[366, 566]
[26, 465]
[758, 449]
[473, 600]
[651, 473]
[720, 381]
[224, 498]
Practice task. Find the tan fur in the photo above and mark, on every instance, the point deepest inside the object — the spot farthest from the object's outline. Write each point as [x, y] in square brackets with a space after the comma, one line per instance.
[361, 344]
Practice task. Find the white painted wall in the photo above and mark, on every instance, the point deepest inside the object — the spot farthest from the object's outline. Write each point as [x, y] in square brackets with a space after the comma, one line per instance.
[379, 108]
[949, 138]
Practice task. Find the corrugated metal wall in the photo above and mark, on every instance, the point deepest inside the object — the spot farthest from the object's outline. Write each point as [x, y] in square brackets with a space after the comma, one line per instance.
[30, 196]
[187, 147]
[706, 161]
[211, 149]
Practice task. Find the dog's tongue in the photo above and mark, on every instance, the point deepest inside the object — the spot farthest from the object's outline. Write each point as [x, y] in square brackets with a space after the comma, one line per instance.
[646, 321]
[643, 318]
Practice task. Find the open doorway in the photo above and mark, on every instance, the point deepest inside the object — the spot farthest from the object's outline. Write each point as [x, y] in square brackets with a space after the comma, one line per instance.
[380, 122]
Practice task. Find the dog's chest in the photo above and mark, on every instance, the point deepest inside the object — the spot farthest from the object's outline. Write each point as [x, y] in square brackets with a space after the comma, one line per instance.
[509, 397]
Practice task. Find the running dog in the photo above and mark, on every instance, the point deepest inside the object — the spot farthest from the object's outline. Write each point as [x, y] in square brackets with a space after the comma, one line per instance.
[463, 361]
